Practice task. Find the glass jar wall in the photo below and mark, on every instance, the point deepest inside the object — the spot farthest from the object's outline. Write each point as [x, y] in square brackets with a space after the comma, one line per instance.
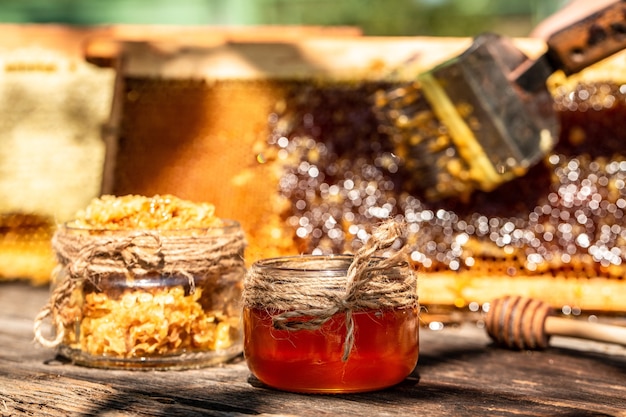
[161, 318]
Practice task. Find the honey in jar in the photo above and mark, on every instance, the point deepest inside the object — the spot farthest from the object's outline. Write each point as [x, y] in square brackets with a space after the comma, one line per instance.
[318, 345]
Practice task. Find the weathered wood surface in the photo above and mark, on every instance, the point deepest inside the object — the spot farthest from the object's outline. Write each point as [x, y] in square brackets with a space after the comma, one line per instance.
[459, 373]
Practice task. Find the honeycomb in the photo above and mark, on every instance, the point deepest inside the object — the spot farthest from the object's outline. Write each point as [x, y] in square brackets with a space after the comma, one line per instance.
[25, 249]
[561, 222]
[306, 167]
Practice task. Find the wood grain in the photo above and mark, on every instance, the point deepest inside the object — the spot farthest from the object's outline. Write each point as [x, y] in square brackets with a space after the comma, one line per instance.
[459, 373]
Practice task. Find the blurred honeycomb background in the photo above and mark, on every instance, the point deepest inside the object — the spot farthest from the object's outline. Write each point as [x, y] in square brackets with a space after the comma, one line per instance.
[245, 104]
[55, 106]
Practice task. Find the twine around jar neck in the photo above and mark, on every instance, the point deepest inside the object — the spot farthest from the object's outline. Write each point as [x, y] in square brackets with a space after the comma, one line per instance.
[94, 256]
[372, 282]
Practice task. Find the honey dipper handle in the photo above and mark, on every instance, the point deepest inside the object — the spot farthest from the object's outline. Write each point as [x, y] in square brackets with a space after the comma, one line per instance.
[585, 330]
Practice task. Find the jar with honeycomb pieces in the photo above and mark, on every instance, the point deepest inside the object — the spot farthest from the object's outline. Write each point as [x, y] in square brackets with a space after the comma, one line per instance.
[147, 283]
[307, 330]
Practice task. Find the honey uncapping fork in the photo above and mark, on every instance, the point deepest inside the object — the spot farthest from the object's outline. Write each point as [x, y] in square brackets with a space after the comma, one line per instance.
[495, 107]
[524, 323]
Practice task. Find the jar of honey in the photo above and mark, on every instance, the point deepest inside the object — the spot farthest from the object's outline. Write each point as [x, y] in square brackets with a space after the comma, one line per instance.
[312, 326]
[147, 295]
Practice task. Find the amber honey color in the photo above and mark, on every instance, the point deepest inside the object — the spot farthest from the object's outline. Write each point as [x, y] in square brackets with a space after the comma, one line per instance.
[385, 352]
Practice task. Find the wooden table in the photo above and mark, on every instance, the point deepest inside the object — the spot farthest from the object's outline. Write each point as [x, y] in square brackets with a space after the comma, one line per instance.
[459, 373]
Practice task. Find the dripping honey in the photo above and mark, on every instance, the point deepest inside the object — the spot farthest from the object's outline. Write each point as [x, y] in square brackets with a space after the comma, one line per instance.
[385, 352]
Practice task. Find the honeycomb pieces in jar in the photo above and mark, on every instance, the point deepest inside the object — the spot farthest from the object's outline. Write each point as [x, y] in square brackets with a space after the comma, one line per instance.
[139, 317]
[132, 212]
[151, 322]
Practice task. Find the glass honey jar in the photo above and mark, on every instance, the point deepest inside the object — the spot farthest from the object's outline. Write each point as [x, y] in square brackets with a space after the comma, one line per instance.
[147, 298]
[309, 328]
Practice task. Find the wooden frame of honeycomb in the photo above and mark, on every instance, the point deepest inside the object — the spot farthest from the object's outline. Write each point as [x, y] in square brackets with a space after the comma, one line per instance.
[279, 136]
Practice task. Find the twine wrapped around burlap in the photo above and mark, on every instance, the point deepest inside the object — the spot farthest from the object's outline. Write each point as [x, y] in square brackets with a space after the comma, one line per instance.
[372, 282]
[94, 256]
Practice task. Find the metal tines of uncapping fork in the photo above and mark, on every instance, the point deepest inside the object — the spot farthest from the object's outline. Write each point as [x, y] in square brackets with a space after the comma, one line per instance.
[496, 116]
[525, 323]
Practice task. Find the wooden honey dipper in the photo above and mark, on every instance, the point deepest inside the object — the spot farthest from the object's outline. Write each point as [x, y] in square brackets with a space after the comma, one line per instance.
[524, 323]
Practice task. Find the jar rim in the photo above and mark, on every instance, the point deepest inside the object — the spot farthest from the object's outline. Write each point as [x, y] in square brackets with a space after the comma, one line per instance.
[306, 262]
[309, 263]
[226, 225]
